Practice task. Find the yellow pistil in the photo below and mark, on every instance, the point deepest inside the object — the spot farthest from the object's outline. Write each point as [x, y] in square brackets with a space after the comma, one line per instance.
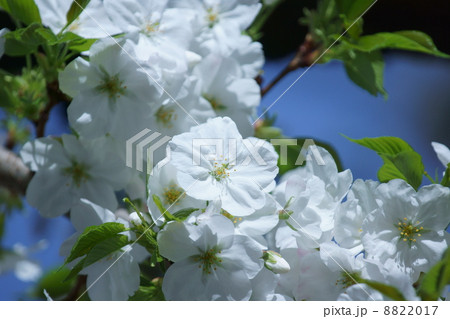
[212, 17]
[408, 230]
[78, 173]
[234, 219]
[220, 171]
[208, 260]
[166, 116]
[216, 105]
[172, 194]
[150, 28]
[112, 86]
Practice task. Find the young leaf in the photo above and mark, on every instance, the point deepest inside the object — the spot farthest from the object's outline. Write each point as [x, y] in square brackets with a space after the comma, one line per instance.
[446, 179]
[24, 10]
[75, 270]
[23, 41]
[402, 40]
[434, 282]
[400, 160]
[184, 213]
[353, 9]
[105, 248]
[75, 10]
[406, 165]
[366, 70]
[91, 236]
[150, 293]
[53, 282]
[167, 215]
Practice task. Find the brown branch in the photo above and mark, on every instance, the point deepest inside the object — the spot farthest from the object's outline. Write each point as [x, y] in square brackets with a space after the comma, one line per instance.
[304, 57]
[54, 96]
[14, 174]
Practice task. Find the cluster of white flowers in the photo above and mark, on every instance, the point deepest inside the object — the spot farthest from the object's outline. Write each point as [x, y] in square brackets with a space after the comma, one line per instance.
[185, 69]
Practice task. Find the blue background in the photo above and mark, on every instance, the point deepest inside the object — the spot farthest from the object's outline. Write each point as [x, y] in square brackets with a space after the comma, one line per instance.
[323, 104]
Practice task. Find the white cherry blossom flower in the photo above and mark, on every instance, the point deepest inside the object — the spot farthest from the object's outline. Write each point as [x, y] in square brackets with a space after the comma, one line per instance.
[237, 171]
[410, 228]
[159, 30]
[163, 183]
[117, 276]
[350, 216]
[92, 22]
[210, 261]
[72, 170]
[310, 196]
[111, 93]
[229, 94]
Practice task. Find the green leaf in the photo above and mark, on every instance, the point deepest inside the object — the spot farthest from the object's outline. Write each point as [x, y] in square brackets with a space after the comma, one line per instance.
[151, 293]
[74, 41]
[53, 283]
[91, 236]
[75, 270]
[353, 9]
[24, 10]
[403, 40]
[105, 248]
[446, 179]
[24, 41]
[406, 165]
[167, 215]
[366, 70]
[295, 147]
[389, 291]
[184, 213]
[400, 160]
[75, 10]
[385, 145]
[434, 282]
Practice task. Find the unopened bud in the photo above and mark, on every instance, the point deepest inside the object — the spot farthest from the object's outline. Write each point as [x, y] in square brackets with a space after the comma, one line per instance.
[275, 263]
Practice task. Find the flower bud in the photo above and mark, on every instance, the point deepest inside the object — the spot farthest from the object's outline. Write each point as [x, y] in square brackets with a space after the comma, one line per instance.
[275, 263]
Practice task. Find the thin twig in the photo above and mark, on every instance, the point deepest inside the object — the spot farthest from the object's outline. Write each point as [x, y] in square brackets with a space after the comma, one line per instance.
[303, 58]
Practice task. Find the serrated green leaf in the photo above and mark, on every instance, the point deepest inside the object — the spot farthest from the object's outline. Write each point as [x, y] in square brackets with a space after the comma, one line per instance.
[446, 179]
[406, 165]
[389, 291]
[105, 248]
[403, 40]
[150, 293]
[289, 162]
[91, 236]
[75, 10]
[353, 9]
[434, 282]
[400, 160]
[389, 145]
[184, 213]
[75, 270]
[167, 215]
[23, 41]
[366, 69]
[24, 10]
[53, 283]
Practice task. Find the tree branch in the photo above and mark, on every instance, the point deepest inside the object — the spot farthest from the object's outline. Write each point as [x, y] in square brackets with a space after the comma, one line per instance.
[304, 57]
[14, 174]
